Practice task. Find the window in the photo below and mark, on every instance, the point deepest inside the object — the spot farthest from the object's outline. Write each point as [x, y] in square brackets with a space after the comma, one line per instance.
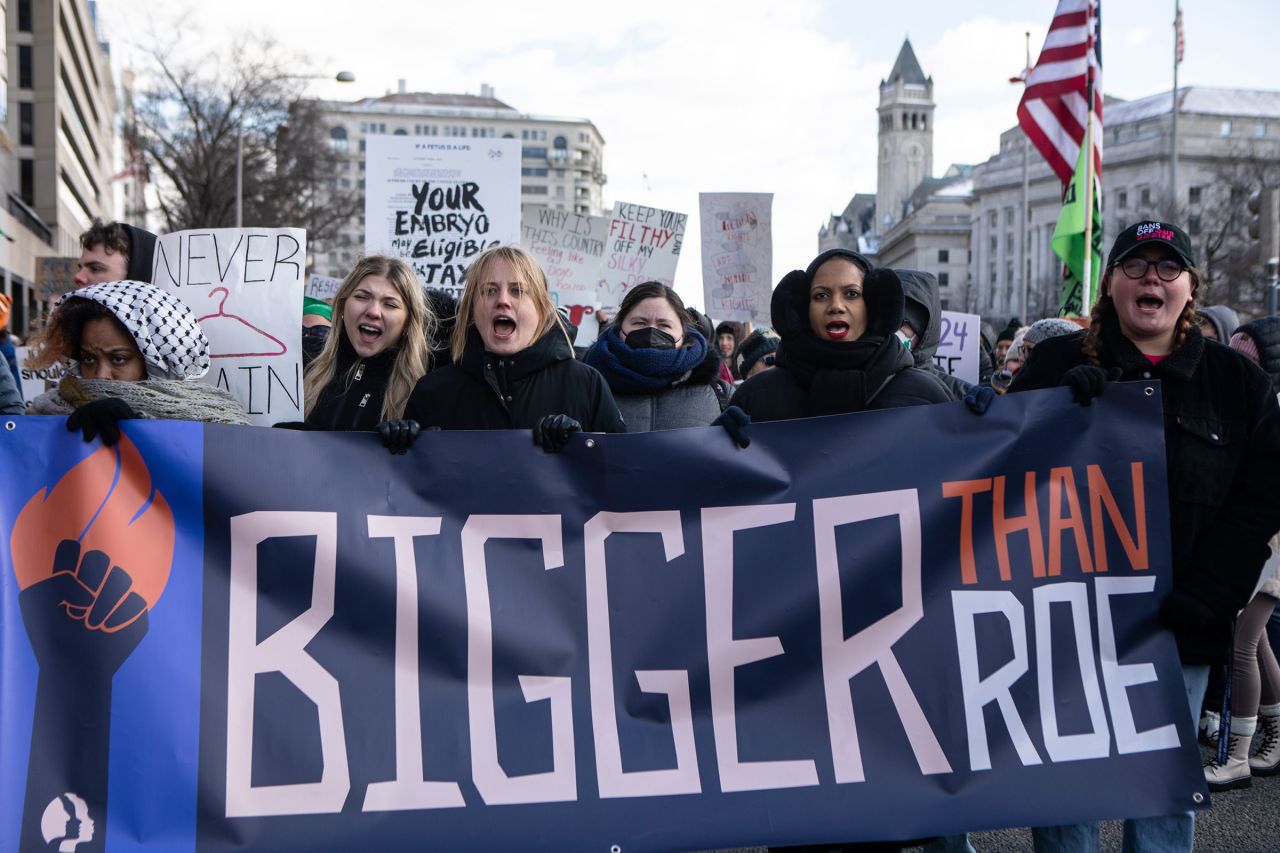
[944, 279]
[524, 134]
[1224, 129]
[24, 66]
[944, 256]
[364, 127]
[400, 131]
[338, 139]
[24, 16]
[26, 123]
[1008, 216]
[560, 142]
[1122, 200]
[534, 172]
[533, 153]
[1008, 243]
[1260, 128]
[1193, 224]
[346, 183]
[362, 148]
[995, 244]
[508, 135]
[1193, 195]
[534, 190]
[994, 218]
[1146, 196]
[27, 181]
[993, 273]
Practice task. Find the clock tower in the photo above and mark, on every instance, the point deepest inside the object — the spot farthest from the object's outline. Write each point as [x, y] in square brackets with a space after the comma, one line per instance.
[905, 140]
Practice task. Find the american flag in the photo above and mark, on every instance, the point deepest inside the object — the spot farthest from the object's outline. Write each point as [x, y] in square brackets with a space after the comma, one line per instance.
[1177, 29]
[1054, 107]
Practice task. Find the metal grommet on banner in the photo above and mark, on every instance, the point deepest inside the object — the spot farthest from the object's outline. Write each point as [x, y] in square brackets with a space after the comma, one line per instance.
[1197, 798]
[10, 425]
[591, 442]
[617, 848]
[1148, 390]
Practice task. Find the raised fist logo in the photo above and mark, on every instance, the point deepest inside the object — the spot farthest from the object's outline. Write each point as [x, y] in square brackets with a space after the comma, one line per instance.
[92, 557]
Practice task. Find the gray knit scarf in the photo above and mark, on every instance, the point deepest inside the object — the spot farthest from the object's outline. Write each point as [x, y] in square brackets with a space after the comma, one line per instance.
[156, 399]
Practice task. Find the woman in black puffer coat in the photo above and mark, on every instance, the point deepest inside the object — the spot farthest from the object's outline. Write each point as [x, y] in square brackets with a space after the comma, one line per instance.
[658, 364]
[840, 350]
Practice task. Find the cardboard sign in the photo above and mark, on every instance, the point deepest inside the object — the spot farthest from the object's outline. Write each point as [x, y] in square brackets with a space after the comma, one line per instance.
[644, 245]
[245, 286]
[439, 204]
[570, 247]
[737, 255]
[322, 287]
[55, 276]
[958, 345]
[35, 381]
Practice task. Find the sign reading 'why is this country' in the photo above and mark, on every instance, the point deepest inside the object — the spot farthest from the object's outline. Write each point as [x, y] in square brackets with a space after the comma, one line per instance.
[737, 255]
[570, 247]
[245, 286]
[439, 204]
[644, 245]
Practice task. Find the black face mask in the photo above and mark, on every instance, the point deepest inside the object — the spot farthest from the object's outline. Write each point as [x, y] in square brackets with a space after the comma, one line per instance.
[650, 338]
[321, 332]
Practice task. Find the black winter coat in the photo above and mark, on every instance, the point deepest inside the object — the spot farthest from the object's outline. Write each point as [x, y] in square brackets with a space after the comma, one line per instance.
[353, 400]
[815, 378]
[1222, 451]
[487, 391]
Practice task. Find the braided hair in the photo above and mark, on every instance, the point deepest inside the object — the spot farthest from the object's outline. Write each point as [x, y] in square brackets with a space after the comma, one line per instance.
[1091, 346]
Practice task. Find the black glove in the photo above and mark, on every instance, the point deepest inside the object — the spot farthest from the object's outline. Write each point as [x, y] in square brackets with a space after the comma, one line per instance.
[1183, 612]
[298, 425]
[979, 399]
[101, 418]
[735, 421]
[398, 436]
[552, 432]
[1087, 381]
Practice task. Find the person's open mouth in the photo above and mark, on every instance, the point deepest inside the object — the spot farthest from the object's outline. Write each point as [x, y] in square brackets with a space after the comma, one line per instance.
[837, 330]
[504, 327]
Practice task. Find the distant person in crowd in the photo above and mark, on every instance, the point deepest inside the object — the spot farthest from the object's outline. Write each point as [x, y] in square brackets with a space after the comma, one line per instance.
[840, 349]
[1255, 676]
[133, 351]
[1222, 446]
[362, 378]
[114, 251]
[1004, 340]
[757, 353]
[1010, 363]
[727, 336]
[923, 326]
[1217, 322]
[657, 362]
[513, 364]
[317, 319]
[10, 391]
[1042, 330]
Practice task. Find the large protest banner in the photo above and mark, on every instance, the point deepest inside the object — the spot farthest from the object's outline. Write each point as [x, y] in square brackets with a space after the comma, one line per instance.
[439, 204]
[644, 245]
[737, 255]
[570, 248]
[526, 651]
[245, 286]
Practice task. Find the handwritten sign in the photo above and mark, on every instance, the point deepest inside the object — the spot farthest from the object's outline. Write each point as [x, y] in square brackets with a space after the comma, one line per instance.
[570, 247]
[35, 381]
[439, 204]
[958, 345]
[322, 287]
[644, 245]
[245, 286]
[737, 255]
[55, 276]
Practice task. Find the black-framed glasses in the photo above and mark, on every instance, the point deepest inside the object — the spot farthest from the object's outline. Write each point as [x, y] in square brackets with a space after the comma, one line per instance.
[1167, 269]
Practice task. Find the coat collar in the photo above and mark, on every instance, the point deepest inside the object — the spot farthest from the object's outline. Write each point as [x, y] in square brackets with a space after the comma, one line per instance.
[553, 346]
[1179, 364]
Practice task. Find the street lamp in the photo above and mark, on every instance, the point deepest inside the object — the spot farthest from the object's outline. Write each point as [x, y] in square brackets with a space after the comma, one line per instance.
[341, 77]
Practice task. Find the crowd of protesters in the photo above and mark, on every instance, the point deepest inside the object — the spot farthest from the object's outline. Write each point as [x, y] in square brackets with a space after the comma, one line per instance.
[390, 358]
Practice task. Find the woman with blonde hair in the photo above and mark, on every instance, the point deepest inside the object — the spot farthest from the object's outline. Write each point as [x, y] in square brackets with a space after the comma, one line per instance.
[378, 350]
[514, 366]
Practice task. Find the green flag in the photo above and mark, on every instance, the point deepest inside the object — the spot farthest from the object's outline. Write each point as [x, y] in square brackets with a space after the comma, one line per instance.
[1068, 243]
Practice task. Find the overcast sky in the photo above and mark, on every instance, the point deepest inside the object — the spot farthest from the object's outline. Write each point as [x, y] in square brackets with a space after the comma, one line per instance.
[748, 96]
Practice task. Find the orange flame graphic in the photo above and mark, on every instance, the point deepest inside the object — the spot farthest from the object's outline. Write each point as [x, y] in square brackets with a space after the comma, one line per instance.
[107, 503]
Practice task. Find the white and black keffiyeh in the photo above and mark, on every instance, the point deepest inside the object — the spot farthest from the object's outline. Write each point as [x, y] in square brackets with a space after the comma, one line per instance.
[165, 329]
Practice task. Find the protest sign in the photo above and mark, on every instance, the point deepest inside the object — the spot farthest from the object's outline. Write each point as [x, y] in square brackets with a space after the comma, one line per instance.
[570, 248]
[439, 204]
[958, 344]
[956, 630]
[737, 255]
[322, 287]
[56, 276]
[644, 245]
[35, 381]
[245, 286]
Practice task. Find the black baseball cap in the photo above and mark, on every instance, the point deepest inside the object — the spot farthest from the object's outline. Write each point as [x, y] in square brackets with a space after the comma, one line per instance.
[1146, 233]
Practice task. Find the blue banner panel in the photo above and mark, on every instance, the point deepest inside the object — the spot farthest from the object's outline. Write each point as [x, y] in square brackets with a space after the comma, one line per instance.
[878, 626]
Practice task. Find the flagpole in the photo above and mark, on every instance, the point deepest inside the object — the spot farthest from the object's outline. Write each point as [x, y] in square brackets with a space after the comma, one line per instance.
[1026, 204]
[1086, 303]
[1173, 134]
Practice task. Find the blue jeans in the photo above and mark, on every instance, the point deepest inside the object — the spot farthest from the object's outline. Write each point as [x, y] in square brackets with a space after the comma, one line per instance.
[1165, 834]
